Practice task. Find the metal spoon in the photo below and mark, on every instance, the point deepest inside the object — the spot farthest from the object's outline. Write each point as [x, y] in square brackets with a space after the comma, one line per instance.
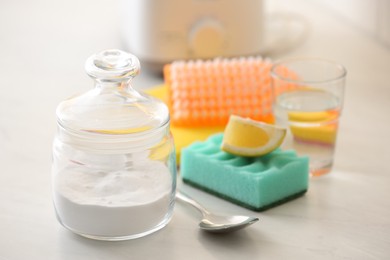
[215, 223]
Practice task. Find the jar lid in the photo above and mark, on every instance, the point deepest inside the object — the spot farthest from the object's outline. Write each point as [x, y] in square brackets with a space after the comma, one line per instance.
[112, 106]
[112, 65]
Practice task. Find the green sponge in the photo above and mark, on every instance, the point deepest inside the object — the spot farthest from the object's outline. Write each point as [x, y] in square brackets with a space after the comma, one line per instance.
[256, 183]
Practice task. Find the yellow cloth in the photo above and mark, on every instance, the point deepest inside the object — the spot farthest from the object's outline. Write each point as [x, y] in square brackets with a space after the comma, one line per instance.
[183, 136]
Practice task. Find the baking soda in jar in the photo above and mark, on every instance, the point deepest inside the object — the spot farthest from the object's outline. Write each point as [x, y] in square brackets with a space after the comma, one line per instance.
[114, 168]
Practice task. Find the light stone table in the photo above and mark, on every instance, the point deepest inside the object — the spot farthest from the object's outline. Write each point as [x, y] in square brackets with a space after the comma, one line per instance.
[344, 215]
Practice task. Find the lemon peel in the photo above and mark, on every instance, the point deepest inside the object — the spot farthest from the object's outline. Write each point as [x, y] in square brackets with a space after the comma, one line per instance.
[247, 137]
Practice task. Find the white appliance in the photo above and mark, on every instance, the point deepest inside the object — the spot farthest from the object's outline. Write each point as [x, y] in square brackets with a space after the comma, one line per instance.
[160, 31]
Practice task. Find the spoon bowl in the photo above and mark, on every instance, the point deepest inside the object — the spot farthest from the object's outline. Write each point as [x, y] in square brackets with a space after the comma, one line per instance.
[221, 224]
[217, 223]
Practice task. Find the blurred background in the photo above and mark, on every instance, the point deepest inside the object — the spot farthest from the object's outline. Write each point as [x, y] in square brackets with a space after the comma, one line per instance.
[64, 33]
[48, 41]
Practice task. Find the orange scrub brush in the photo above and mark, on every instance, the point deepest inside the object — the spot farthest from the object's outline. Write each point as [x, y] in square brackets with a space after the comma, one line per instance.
[207, 92]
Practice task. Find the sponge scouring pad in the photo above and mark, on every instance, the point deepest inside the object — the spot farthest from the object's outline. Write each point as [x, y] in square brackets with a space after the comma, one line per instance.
[256, 183]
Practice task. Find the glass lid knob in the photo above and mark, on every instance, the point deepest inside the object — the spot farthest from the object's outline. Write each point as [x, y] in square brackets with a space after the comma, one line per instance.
[112, 65]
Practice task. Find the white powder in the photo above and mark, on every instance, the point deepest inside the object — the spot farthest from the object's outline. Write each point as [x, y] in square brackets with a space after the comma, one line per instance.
[114, 204]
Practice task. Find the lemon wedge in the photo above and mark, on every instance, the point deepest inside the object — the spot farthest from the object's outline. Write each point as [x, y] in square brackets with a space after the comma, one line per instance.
[247, 137]
[325, 132]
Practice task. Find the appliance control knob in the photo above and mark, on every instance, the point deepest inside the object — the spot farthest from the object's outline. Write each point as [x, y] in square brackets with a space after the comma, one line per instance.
[207, 38]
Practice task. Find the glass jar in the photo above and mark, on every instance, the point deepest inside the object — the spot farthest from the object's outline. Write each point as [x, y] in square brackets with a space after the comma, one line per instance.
[114, 168]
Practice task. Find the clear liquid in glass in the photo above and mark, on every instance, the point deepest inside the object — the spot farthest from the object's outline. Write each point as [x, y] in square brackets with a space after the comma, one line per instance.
[311, 117]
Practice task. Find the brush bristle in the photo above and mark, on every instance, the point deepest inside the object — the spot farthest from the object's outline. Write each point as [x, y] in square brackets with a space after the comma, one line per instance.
[207, 92]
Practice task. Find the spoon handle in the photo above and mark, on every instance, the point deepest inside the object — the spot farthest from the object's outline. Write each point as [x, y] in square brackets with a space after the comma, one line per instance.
[185, 198]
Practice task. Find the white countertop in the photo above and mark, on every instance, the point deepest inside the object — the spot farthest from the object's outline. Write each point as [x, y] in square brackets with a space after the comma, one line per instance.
[344, 215]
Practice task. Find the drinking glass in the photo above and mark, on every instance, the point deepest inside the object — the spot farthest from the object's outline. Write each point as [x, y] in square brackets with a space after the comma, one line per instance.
[308, 100]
